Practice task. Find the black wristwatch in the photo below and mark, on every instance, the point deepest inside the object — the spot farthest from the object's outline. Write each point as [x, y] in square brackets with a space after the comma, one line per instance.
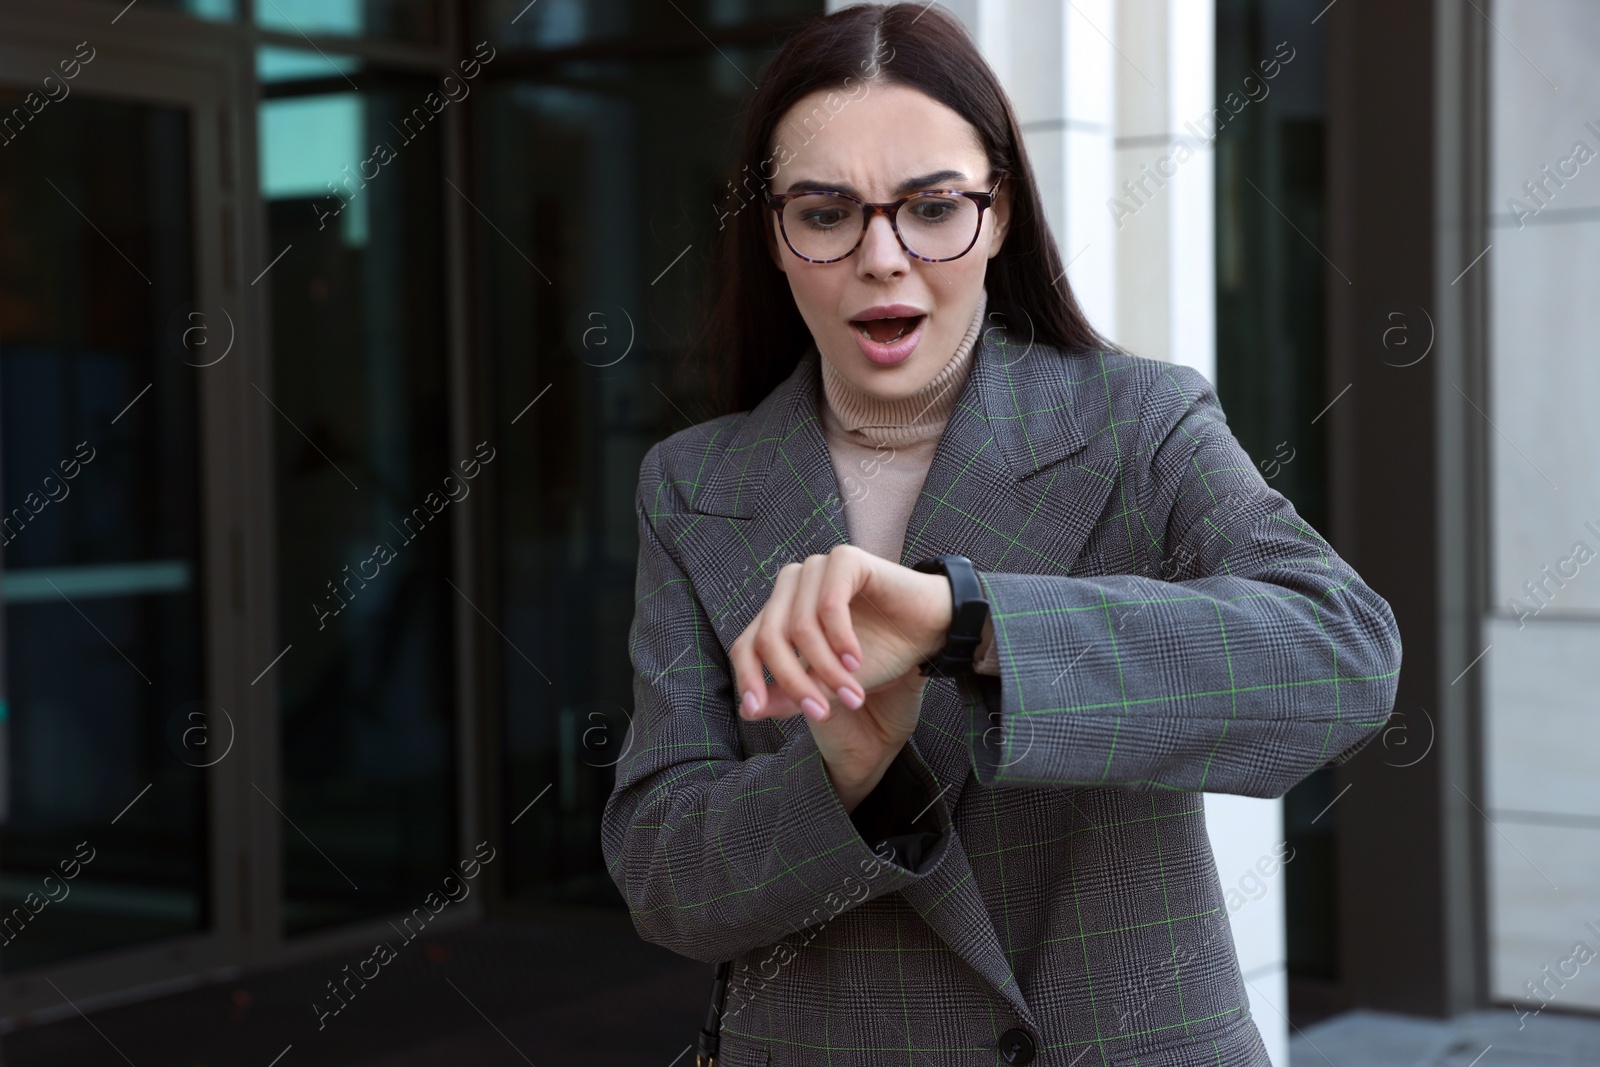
[969, 610]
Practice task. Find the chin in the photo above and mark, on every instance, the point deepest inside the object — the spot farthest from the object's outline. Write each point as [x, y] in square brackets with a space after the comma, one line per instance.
[896, 381]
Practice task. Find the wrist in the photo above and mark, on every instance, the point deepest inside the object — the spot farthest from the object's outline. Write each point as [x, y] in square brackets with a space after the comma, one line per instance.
[852, 789]
[941, 607]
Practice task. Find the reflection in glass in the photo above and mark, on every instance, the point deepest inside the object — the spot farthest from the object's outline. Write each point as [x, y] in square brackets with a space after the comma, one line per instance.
[210, 10]
[404, 20]
[275, 64]
[551, 24]
[101, 554]
[603, 202]
[364, 509]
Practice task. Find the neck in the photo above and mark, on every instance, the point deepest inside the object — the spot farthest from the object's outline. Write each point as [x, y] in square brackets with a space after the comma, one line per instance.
[872, 420]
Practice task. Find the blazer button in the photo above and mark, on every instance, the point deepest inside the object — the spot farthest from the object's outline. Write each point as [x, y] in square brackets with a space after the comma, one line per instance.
[1016, 1047]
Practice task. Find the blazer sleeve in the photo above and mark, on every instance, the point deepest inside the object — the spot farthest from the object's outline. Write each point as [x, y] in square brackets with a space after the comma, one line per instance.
[717, 854]
[1256, 657]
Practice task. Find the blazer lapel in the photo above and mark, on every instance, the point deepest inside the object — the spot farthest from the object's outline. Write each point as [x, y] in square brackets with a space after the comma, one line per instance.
[998, 491]
[771, 498]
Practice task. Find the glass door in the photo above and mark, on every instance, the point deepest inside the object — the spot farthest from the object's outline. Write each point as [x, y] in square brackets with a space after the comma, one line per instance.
[370, 490]
[122, 358]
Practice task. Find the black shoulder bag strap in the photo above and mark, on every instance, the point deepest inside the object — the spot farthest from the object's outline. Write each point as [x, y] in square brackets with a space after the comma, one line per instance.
[705, 1054]
[709, 1038]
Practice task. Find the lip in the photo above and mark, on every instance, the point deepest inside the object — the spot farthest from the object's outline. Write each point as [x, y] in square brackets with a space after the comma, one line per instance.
[888, 311]
[896, 352]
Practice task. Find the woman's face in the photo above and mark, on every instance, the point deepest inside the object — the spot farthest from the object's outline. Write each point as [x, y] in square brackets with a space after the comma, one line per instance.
[874, 147]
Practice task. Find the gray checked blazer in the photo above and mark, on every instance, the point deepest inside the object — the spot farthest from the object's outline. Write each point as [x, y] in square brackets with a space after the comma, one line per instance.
[1166, 624]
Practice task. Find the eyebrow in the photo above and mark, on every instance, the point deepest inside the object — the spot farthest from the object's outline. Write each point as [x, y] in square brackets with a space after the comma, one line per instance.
[939, 177]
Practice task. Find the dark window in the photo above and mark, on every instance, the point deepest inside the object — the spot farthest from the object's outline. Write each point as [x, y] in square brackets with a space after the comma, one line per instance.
[1272, 363]
[353, 184]
[102, 562]
[601, 178]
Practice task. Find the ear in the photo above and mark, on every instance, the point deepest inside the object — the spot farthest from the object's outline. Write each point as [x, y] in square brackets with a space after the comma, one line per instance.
[1002, 217]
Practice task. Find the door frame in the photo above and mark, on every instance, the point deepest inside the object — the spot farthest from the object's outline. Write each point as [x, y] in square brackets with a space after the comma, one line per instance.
[172, 60]
[165, 57]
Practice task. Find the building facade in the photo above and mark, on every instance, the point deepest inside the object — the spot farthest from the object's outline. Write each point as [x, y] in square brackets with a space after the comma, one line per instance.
[332, 333]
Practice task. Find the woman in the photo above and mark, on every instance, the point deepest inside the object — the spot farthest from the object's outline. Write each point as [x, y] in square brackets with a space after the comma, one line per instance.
[1005, 862]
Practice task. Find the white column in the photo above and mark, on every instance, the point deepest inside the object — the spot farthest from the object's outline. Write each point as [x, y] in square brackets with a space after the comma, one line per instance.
[1057, 70]
[1248, 844]
[1191, 227]
[1162, 197]
[1541, 675]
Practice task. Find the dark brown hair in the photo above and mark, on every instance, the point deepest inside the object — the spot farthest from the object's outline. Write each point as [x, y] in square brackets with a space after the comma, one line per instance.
[751, 332]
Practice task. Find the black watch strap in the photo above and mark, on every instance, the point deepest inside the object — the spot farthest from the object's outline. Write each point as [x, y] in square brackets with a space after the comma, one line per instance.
[968, 612]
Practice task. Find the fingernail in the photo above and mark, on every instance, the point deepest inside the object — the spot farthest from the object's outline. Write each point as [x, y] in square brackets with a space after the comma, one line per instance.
[848, 696]
[751, 704]
[850, 664]
[814, 711]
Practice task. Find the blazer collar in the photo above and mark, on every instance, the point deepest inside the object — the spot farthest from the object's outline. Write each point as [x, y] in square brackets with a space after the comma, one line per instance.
[773, 452]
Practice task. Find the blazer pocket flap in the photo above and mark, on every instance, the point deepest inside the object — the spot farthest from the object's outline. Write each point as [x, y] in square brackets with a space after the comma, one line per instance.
[1231, 1039]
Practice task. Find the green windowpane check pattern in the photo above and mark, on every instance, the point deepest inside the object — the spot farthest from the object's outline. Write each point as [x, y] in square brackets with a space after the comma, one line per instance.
[1166, 624]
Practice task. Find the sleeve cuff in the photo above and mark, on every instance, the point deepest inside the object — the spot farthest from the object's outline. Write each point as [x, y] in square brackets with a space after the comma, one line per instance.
[899, 815]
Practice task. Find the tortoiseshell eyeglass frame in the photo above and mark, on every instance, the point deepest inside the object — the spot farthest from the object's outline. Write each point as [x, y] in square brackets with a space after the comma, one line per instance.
[777, 201]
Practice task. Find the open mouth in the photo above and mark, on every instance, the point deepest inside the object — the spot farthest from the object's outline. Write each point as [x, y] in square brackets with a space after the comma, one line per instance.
[886, 331]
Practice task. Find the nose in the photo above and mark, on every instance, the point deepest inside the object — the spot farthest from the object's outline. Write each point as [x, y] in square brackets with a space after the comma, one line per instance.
[880, 254]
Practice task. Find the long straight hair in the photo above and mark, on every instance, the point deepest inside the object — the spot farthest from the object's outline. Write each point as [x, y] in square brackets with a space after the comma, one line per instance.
[751, 333]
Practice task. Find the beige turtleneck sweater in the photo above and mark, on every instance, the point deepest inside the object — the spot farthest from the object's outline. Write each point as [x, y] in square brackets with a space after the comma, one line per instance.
[881, 450]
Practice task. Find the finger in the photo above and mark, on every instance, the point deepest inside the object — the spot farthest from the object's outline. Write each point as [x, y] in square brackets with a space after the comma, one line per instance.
[847, 574]
[745, 658]
[747, 681]
[825, 678]
[791, 691]
[779, 705]
[775, 645]
[755, 692]
[806, 630]
[775, 703]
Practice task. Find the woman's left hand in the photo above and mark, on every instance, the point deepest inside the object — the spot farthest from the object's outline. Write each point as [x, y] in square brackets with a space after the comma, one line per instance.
[860, 622]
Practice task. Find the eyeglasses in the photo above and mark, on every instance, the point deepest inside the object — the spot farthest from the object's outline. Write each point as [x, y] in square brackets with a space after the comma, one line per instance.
[825, 227]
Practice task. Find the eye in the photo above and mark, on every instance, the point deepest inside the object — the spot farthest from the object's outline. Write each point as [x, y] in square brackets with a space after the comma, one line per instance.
[933, 209]
[820, 212]
[823, 218]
